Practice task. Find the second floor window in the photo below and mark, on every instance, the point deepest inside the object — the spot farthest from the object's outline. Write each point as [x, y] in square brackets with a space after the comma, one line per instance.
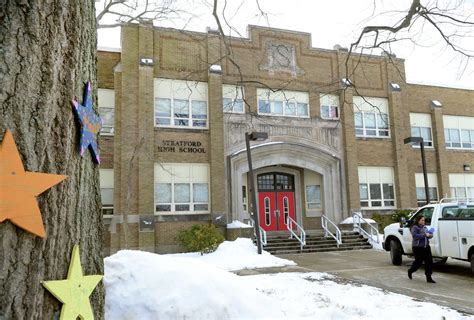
[459, 132]
[283, 103]
[371, 117]
[180, 103]
[106, 101]
[232, 97]
[329, 106]
[420, 124]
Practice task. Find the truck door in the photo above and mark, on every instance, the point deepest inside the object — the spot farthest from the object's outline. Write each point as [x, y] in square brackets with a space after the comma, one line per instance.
[407, 238]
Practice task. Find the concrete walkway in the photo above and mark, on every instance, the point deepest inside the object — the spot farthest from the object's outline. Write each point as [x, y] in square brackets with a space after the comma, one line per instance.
[454, 287]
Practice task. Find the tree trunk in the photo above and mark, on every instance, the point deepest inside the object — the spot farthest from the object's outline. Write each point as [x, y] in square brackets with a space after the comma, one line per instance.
[47, 54]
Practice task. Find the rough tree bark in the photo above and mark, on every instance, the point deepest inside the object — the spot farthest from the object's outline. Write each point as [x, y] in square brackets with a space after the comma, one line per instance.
[47, 53]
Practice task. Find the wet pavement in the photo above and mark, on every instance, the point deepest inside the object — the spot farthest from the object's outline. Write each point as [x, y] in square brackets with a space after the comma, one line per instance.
[454, 287]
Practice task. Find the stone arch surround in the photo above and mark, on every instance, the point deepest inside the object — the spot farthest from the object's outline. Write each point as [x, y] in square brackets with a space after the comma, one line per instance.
[294, 154]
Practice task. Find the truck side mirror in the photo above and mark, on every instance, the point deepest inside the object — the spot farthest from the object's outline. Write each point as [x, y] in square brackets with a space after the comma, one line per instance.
[402, 221]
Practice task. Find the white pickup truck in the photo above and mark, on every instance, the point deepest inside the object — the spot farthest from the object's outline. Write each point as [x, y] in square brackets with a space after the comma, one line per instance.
[453, 236]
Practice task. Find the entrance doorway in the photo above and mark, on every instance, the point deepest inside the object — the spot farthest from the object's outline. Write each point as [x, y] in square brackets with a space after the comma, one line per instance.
[276, 200]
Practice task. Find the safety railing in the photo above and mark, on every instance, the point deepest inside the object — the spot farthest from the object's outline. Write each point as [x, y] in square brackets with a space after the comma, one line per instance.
[263, 233]
[302, 234]
[358, 220]
[327, 232]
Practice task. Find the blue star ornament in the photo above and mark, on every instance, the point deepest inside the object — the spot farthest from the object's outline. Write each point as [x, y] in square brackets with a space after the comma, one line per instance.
[91, 123]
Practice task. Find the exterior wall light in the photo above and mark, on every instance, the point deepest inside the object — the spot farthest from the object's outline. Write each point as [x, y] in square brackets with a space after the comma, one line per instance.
[215, 69]
[395, 87]
[467, 167]
[436, 104]
[146, 62]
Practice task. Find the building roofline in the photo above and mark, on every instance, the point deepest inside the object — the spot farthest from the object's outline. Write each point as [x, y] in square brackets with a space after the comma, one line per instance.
[440, 85]
[109, 49]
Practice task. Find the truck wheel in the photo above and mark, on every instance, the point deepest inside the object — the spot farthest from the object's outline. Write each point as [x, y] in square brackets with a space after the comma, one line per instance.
[395, 252]
[472, 263]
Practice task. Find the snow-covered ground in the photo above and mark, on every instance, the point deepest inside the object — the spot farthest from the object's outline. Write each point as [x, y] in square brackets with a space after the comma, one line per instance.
[141, 285]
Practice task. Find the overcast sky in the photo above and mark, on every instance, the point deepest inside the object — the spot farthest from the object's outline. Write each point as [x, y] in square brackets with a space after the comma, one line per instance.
[333, 22]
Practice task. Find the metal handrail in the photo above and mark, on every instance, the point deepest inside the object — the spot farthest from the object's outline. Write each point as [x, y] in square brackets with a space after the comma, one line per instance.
[324, 224]
[302, 238]
[263, 233]
[357, 218]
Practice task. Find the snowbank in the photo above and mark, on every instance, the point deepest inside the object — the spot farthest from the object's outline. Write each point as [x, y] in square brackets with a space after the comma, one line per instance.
[238, 255]
[237, 224]
[350, 220]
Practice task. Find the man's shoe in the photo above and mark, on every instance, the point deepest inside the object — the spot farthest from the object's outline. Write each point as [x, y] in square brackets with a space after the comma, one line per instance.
[429, 279]
[409, 274]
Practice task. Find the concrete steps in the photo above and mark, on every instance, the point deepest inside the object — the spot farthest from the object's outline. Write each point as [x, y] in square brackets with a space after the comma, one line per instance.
[315, 242]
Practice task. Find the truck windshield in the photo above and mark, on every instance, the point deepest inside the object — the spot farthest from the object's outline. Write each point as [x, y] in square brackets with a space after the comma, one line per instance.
[458, 213]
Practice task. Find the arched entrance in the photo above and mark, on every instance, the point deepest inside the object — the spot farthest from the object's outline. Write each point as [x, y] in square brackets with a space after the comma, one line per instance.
[276, 200]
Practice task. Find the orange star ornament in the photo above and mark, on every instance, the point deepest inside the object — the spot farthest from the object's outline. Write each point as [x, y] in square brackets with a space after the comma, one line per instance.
[18, 189]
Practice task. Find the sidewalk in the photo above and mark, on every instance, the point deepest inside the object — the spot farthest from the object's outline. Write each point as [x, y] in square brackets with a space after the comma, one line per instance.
[454, 287]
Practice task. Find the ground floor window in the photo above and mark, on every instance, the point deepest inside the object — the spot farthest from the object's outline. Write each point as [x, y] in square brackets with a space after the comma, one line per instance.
[376, 187]
[420, 188]
[181, 188]
[461, 185]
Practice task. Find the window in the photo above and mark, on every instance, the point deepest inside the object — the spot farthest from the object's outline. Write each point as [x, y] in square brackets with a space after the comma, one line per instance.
[420, 188]
[459, 132]
[106, 101]
[181, 188]
[329, 106]
[233, 99]
[421, 127]
[425, 212]
[180, 103]
[371, 117]
[283, 103]
[376, 187]
[313, 182]
[458, 213]
[106, 179]
[462, 185]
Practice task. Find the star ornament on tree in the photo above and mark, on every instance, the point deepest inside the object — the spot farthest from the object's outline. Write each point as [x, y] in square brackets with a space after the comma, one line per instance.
[90, 123]
[18, 189]
[74, 292]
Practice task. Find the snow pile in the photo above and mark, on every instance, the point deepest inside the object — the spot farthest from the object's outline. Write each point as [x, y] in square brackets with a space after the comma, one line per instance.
[237, 255]
[350, 220]
[142, 285]
[236, 224]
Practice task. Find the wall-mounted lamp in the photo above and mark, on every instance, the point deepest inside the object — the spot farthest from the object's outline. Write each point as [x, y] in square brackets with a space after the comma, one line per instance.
[436, 104]
[215, 69]
[395, 87]
[146, 62]
[467, 167]
[346, 82]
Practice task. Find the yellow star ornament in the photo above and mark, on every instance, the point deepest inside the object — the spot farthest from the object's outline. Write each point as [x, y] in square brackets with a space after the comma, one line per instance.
[74, 292]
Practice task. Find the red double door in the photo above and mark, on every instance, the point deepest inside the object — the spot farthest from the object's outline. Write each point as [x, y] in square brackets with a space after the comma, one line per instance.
[276, 200]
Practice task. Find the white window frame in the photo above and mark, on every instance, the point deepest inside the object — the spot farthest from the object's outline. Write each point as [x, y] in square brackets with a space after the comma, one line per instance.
[106, 102]
[419, 122]
[461, 185]
[380, 176]
[180, 90]
[285, 98]
[312, 178]
[367, 106]
[331, 102]
[172, 172]
[232, 96]
[432, 187]
[106, 181]
[458, 125]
